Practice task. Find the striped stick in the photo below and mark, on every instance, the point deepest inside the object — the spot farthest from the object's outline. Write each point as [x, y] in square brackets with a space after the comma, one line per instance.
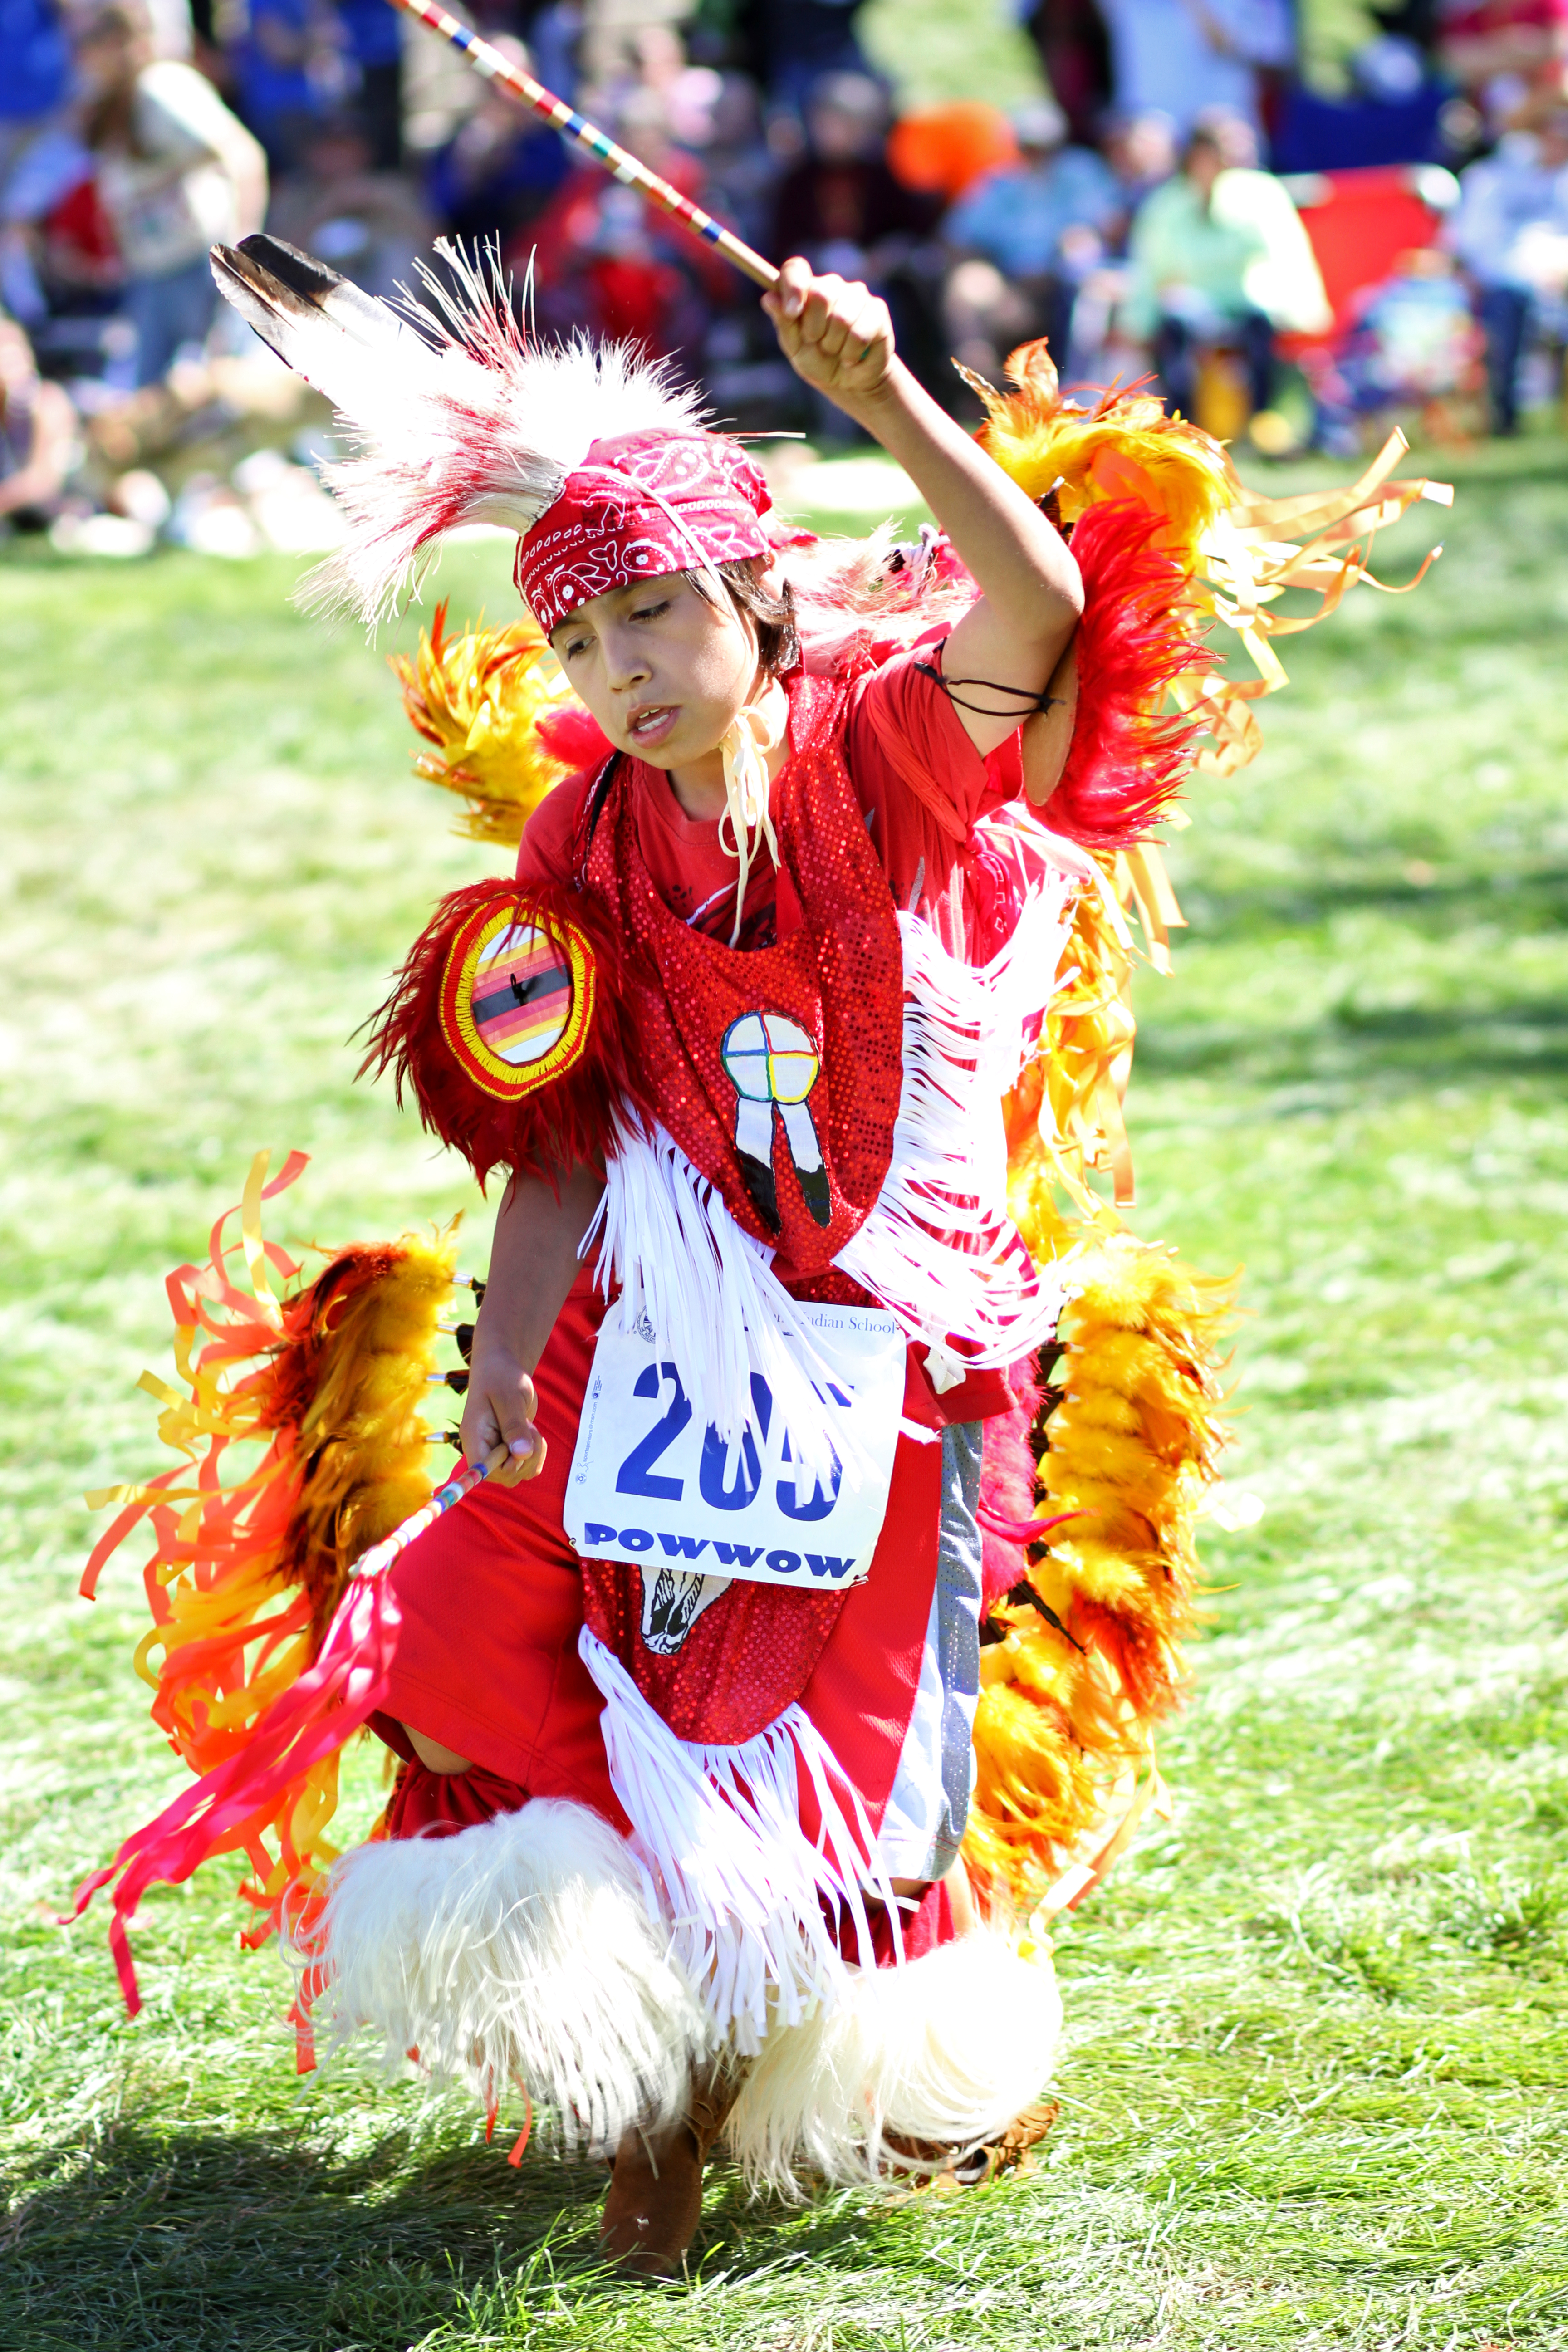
[616, 160]
[379, 1559]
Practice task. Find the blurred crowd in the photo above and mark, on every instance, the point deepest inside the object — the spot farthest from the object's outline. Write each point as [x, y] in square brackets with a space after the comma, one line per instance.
[1185, 193]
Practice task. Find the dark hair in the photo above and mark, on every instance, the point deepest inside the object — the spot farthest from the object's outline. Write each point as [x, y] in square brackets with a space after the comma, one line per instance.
[772, 618]
[1203, 139]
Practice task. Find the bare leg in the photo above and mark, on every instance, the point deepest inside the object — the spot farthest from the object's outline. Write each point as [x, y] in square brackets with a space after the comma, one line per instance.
[433, 1756]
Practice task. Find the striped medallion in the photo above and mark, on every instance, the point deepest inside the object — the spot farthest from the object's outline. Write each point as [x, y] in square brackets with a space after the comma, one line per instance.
[517, 999]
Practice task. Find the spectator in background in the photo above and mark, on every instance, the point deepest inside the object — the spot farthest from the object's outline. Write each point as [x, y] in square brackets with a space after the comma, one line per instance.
[609, 260]
[37, 434]
[35, 75]
[1219, 261]
[1503, 52]
[371, 34]
[370, 224]
[840, 206]
[1510, 233]
[273, 87]
[742, 171]
[1141, 149]
[843, 208]
[1184, 57]
[1020, 262]
[500, 167]
[175, 172]
[1074, 57]
[791, 44]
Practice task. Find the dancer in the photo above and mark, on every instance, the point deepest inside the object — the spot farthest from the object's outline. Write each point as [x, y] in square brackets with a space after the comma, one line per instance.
[778, 1038]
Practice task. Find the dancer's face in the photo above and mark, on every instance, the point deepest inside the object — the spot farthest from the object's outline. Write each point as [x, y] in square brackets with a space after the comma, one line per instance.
[662, 669]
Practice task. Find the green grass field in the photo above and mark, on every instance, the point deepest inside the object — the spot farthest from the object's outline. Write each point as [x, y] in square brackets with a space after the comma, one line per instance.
[1313, 2092]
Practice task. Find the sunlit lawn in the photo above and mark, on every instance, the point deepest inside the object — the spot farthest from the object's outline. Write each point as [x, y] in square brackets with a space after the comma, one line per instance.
[1314, 2093]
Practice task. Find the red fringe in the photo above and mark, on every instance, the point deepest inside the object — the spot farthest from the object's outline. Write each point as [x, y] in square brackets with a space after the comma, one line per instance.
[569, 1122]
[1138, 635]
[1008, 1489]
[346, 1686]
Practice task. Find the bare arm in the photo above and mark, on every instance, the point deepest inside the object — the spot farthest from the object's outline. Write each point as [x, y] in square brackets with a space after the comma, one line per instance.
[533, 1264]
[838, 337]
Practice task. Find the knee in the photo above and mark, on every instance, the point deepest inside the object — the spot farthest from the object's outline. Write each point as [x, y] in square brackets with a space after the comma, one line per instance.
[433, 1756]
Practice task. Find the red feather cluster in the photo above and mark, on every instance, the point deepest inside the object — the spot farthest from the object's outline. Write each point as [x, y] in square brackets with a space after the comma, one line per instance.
[566, 1121]
[573, 736]
[1137, 636]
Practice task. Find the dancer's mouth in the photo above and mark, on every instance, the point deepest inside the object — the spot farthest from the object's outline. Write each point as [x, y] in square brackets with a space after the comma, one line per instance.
[653, 723]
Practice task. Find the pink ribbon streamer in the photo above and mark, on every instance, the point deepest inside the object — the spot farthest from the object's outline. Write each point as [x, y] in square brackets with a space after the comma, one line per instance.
[346, 1683]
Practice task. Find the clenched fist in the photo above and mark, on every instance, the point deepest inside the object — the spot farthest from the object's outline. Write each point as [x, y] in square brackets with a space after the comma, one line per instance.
[835, 334]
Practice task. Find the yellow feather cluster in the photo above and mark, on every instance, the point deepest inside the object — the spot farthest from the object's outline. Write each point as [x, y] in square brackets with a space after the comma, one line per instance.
[1070, 1694]
[1126, 447]
[364, 1437]
[1242, 552]
[478, 699]
[245, 1576]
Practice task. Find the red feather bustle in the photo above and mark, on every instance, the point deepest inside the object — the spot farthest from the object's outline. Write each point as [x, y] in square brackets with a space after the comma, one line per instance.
[1138, 635]
[573, 735]
[507, 1024]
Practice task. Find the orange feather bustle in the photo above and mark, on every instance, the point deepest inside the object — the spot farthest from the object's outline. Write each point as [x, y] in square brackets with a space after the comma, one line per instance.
[1239, 553]
[244, 1576]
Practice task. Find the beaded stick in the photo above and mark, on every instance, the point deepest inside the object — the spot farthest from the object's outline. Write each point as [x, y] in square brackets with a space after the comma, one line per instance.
[616, 160]
[382, 1555]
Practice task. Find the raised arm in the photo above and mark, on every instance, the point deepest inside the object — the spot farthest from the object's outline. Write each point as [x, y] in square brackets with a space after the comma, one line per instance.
[1002, 654]
[533, 1264]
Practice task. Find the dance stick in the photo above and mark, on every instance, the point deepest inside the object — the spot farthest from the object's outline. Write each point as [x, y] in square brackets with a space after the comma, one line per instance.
[381, 1556]
[571, 125]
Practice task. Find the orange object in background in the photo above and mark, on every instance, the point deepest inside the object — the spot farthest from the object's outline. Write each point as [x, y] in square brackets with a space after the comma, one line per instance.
[943, 150]
[1360, 224]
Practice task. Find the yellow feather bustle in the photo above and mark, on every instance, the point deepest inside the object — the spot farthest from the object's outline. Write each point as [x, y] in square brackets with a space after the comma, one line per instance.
[479, 699]
[244, 1577]
[1084, 1671]
[1242, 552]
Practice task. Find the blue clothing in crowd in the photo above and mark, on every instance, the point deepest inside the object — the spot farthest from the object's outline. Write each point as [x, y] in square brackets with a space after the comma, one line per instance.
[1502, 199]
[372, 30]
[34, 60]
[1016, 216]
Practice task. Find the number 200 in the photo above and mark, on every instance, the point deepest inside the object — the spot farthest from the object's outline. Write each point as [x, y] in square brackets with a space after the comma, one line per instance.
[637, 1475]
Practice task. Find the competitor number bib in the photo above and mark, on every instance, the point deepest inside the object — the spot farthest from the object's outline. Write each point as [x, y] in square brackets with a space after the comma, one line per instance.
[651, 1485]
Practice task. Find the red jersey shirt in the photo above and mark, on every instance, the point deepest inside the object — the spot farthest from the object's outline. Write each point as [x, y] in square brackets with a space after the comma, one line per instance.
[916, 776]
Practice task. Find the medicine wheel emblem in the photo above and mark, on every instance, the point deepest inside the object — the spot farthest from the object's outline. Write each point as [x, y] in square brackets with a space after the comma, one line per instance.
[772, 1064]
[517, 1000]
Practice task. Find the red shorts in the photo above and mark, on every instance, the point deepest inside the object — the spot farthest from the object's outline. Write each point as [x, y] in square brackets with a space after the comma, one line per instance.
[491, 1603]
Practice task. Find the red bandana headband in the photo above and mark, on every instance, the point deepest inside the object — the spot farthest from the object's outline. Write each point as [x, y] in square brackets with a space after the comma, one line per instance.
[639, 505]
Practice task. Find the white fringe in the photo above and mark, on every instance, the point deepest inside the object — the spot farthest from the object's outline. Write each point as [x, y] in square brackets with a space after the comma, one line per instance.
[939, 1248]
[719, 1829]
[692, 1276]
[950, 2048]
[524, 1950]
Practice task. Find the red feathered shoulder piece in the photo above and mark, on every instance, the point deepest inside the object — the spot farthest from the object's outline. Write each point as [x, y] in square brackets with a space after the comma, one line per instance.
[507, 1023]
[1137, 636]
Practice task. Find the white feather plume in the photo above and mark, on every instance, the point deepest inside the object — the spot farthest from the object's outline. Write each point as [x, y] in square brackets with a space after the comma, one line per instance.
[522, 1949]
[457, 417]
[949, 2048]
